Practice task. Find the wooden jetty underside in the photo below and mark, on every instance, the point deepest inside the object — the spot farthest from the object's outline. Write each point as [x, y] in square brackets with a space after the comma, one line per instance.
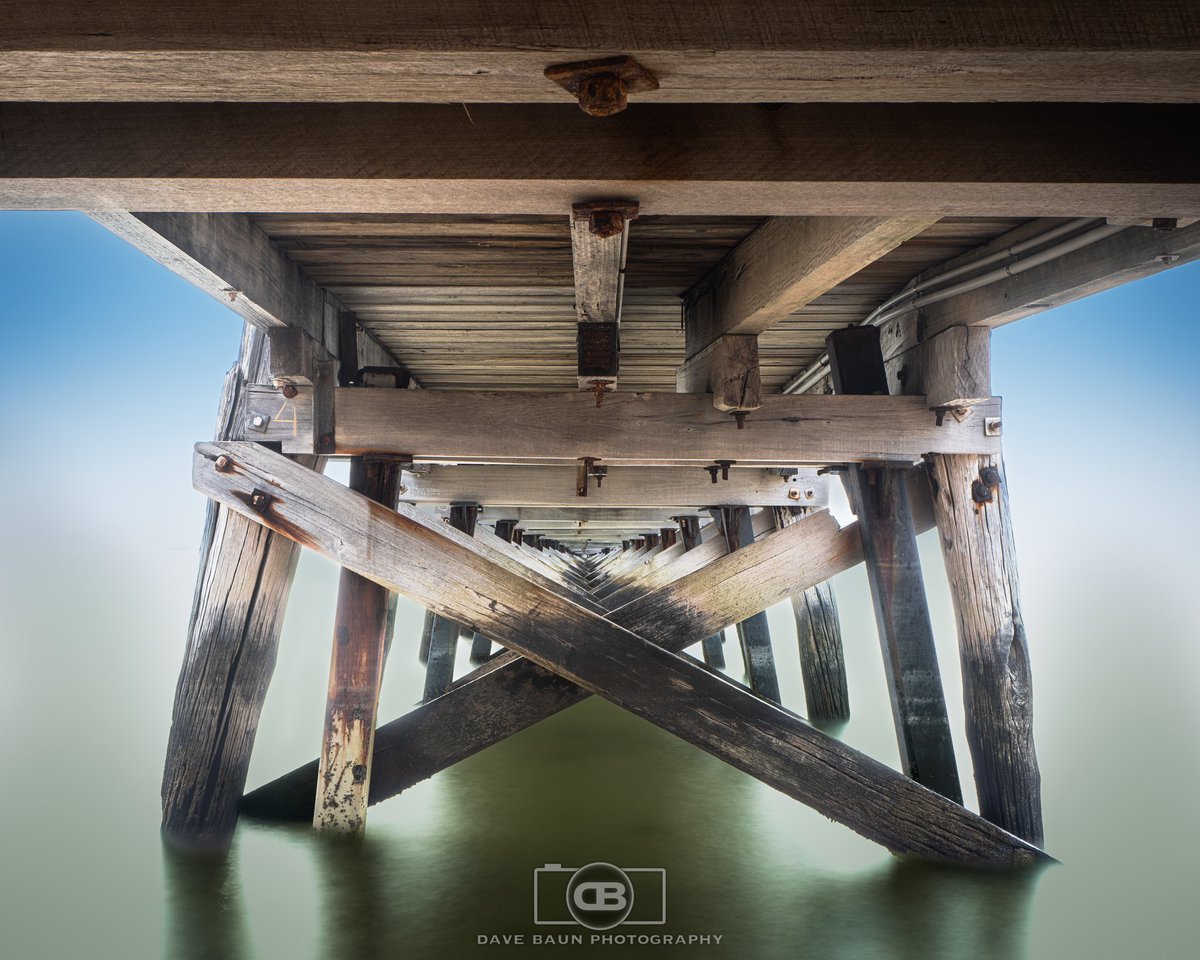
[595, 369]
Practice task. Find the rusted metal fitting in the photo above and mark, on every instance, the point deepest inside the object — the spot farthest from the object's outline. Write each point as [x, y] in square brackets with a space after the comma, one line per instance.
[725, 465]
[991, 426]
[260, 500]
[981, 492]
[713, 470]
[290, 391]
[602, 87]
[990, 476]
[223, 464]
[740, 417]
[606, 218]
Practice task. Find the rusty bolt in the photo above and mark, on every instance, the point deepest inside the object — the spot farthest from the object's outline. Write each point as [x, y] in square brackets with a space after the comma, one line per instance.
[290, 391]
[740, 417]
[990, 476]
[793, 494]
[260, 500]
[224, 464]
[991, 426]
[602, 95]
[810, 494]
[712, 471]
[981, 492]
[606, 223]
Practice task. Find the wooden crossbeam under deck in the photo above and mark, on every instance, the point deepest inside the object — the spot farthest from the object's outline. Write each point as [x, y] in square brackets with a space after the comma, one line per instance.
[630, 428]
[456, 576]
[624, 488]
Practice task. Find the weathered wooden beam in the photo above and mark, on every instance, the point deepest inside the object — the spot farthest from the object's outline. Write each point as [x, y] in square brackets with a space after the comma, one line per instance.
[800, 159]
[712, 647]
[754, 634]
[232, 260]
[241, 593]
[437, 735]
[359, 644]
[630, 428]
[819, 637]
[975, 530]
[503, 487]
[880, 499]
[728, 368]
[599, 241]
[461, 51]
[481, 646]
[443, 636]
[459, 577]
[785, 264]
[1130, 254]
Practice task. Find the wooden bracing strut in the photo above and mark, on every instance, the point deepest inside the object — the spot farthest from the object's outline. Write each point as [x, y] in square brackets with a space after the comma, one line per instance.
[459, 577]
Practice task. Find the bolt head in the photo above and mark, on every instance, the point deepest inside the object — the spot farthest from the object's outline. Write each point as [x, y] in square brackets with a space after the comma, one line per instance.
[258, 420]
[793, 494]
[290, 391]
[223, 464]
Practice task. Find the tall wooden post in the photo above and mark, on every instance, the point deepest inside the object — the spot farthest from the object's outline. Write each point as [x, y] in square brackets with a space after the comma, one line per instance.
[359, 644]
[819, 636]
[753, 632]
[975, 529]
[233, 635]
[443, 638]
[880, 499]
[713, 647]
[481, 646]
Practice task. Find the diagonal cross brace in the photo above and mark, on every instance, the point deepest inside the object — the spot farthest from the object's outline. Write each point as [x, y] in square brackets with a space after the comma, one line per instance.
[458, 577]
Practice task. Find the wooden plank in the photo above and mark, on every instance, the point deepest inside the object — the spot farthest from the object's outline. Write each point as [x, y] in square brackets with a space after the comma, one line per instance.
[975, 530]
[728, 368]
[880, 500]
[443, 636]
[783, 265]
[753, 633]
[359, 643]
[462, 51]
[512, 488]
[427, 740]
[804, 159]
[819, 637]
[1132, 253]
[241, 592]
[456, 577]
[630, 428]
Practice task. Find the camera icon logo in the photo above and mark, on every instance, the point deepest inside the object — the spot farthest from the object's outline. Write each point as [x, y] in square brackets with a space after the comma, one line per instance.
[599, 896]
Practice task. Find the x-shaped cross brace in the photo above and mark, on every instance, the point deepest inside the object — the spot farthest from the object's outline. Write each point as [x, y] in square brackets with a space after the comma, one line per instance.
[560, 650]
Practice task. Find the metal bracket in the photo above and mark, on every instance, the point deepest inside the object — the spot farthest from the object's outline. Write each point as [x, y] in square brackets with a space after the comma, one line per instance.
[602, 87]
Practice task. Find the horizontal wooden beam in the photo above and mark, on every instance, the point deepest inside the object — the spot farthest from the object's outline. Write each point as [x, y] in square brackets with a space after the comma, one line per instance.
[783, 265]
[458, 577]
[630, 428]
[731, 50]
[984, 159]
[624, 487]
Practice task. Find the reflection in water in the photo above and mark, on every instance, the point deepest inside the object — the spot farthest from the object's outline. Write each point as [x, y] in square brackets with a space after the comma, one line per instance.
[453, 859]
[206, 917]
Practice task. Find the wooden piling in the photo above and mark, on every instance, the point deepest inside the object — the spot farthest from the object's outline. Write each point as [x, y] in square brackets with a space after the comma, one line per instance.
[360, 639]
[819, 637]
[242, 588]
[712, 647]
[880, 498]
[975, 530]
[753, 632]
[443, 637]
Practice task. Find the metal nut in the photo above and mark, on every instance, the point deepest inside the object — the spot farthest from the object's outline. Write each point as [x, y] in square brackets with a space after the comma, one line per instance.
[991, 426]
